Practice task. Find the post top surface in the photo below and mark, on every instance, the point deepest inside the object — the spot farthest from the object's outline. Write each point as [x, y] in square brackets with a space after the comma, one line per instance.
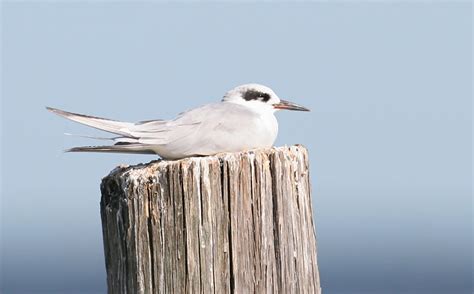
[154, 165]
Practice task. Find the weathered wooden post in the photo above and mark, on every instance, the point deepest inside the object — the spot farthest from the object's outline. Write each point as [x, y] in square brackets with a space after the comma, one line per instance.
[230, 223]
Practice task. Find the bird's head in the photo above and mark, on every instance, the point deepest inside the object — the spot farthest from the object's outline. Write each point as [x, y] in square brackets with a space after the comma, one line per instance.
[259, 98]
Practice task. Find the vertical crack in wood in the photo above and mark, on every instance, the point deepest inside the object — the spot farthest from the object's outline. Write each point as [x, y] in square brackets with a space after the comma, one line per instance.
[127, 278]
[177, 228]
[198, 196]
[224, 226]
[231, 252]
[161, 199]
[150, 238]
[185, 230]
[256, 251]
[276, 231]
[206, 181]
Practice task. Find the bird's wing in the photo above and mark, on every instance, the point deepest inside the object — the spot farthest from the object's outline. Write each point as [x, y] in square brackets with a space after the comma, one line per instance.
[126, 129]
[164, 132]
[104, 124]
[211, 127]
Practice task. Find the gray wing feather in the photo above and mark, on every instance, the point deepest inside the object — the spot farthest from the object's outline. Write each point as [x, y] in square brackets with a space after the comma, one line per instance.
[156, 132]
[104, 124]
[128, 130]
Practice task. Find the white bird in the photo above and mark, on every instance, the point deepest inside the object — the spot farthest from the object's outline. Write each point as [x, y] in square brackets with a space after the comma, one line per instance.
[243, 120]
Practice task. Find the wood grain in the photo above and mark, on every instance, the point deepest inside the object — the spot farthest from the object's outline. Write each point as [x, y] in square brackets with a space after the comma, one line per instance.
[230, 223]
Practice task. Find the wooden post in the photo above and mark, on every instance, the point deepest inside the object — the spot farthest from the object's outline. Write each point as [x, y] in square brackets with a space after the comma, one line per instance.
[230, 223]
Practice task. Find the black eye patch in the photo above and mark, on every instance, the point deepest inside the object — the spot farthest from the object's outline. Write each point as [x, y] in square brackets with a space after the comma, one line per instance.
[256, 95]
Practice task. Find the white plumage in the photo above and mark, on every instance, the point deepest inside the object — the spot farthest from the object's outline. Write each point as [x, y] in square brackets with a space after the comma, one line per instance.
[243, 120]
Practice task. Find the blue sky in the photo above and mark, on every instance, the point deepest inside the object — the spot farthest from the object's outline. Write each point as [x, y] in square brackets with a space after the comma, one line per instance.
[389, 135]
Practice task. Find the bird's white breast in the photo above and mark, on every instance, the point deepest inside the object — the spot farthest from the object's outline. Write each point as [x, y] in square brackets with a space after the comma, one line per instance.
[268, 129]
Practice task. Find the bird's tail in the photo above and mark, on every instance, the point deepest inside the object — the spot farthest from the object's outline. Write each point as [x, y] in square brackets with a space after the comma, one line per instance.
[117, 148]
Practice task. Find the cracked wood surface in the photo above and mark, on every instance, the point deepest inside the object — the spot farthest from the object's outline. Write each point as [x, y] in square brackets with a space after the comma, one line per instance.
[230, 223]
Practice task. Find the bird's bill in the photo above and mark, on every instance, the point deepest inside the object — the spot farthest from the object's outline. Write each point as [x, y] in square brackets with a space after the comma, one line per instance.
[289, 106]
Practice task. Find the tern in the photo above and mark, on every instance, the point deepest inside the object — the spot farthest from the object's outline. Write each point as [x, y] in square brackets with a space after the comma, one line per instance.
[243, 120]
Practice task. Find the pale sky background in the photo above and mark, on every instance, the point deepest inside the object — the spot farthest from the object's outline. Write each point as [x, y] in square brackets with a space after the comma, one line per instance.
[390, 86]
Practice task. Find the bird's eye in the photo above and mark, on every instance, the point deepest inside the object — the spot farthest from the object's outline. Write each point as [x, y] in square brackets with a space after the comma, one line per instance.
[256, 95]
[264, 97]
